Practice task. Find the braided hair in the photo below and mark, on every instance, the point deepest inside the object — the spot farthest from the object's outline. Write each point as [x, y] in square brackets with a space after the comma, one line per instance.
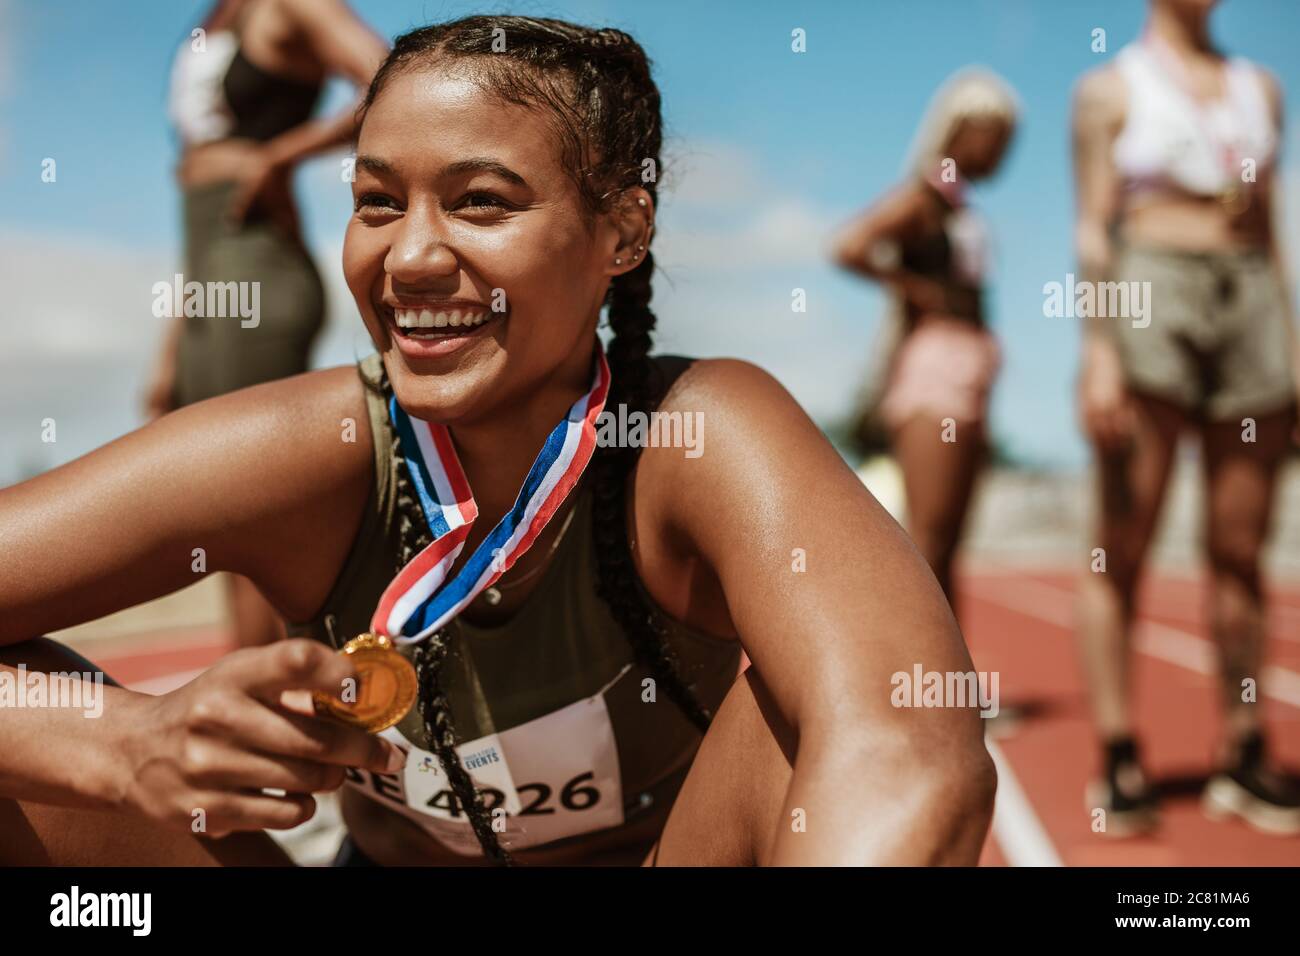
[596, 85]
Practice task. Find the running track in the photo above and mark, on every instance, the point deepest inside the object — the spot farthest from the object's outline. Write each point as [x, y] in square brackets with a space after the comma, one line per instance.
[1019, 623]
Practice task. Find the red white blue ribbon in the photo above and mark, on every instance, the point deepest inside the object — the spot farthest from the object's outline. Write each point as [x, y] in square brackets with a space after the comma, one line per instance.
[420, 599]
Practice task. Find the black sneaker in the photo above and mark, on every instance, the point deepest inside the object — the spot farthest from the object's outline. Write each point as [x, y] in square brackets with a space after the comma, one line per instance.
[1266, 800]
[1123, 793]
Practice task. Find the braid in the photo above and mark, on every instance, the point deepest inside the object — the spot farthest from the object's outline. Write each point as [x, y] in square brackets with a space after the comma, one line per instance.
[430, 654]
[436, 716]
[631, 370]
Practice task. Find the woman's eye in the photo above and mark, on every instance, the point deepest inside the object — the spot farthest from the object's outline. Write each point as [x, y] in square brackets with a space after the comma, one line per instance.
[373, 202]
[486, 201]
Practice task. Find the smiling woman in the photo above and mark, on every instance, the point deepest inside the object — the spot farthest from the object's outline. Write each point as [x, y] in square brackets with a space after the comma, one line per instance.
[576, 619]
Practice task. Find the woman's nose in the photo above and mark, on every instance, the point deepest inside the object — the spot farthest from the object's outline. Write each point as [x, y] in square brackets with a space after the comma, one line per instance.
[420, 250]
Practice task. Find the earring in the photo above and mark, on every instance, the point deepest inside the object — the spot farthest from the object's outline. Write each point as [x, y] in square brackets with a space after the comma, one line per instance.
[640, 200]
[618, 262]
[640, 248]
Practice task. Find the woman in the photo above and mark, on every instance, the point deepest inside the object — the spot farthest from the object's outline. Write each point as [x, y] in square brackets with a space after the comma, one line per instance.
[590, 691]
[936, 357]
[1175, 147]
[243, 92]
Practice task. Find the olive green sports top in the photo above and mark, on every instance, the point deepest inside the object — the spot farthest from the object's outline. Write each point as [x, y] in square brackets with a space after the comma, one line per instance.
[561, 646]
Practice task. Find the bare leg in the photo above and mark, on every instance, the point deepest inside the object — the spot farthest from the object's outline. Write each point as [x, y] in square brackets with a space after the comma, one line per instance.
[38, 834]
[255, 620]
[939, 478]
[1241, 477]
[1132, 486]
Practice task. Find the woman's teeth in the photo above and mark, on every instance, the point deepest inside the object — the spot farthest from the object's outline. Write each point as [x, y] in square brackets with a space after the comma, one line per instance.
[425, 319]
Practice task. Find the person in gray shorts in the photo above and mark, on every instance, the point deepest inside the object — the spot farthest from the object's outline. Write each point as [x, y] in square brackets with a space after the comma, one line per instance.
[1215, 340]
[1175, 148]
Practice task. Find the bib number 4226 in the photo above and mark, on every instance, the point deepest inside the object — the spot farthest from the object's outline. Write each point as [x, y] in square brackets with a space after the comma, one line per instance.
[572, 796]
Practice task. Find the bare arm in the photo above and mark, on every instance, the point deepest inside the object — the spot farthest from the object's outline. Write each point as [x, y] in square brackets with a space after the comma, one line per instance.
[1272, 200]
[828, 639]
[869, 245]
[347, 47]
[1098, 117]
[264, 483]
[246, 477]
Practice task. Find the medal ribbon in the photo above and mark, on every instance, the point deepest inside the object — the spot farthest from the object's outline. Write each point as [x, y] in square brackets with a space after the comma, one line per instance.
[420, 599]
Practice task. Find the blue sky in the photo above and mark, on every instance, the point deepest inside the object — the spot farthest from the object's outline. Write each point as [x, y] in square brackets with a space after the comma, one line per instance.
[773, 150]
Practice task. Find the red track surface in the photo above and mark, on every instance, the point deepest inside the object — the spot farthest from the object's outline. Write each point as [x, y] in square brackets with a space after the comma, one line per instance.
[1020, 625]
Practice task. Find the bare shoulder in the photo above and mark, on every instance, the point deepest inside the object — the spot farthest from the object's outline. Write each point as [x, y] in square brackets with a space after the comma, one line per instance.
[721, 385]
[282, 460]
[280, 420]
[747, 429]
[1099, 95]
[719, 521]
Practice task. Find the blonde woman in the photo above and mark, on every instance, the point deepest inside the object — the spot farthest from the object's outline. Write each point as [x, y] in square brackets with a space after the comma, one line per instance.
[937, 359]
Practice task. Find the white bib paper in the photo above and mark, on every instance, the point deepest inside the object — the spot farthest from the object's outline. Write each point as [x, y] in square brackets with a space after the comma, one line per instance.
[554, 777]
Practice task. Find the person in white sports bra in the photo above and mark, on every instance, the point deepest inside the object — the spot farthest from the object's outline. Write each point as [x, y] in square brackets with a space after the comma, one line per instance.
[1175, 149]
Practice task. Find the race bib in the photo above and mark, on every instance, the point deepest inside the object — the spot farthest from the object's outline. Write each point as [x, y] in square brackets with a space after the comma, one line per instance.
[551, 778]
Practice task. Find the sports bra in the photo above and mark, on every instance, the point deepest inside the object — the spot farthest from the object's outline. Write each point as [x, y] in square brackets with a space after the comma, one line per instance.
[218, 93]
[1172, 142]
[549, 706]
[955, 254]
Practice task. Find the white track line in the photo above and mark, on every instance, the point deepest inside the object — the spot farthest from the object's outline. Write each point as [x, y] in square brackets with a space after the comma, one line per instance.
[1170, 644]
[1020, 834]
[1283, 620]
[1284, 623]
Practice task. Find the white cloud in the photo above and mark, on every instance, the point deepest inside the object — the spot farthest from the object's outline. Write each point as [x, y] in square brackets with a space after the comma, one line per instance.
[722, 214]
[734, 246]
[785, 232]
[78, 338]
[703, 174]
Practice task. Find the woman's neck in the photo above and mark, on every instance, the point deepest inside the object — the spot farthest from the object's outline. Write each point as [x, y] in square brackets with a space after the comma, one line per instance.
[1185, 34]
[497, 452]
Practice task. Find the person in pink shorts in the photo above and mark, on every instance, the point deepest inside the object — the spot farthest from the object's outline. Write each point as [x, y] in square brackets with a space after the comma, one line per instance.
[937, 359]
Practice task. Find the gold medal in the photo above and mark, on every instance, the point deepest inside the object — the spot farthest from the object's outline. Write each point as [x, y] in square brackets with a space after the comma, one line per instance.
[386, 686]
